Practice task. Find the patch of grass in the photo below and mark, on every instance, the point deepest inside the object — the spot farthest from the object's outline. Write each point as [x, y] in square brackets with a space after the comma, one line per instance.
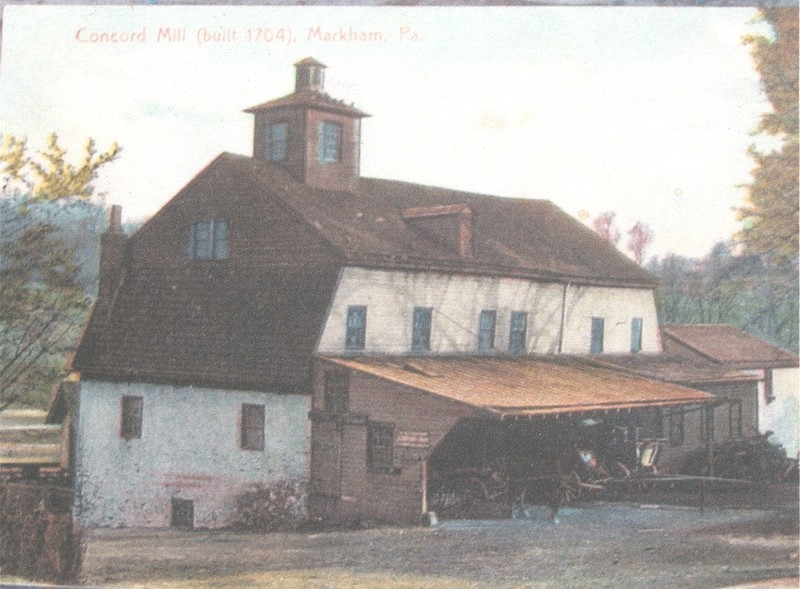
[316, 579]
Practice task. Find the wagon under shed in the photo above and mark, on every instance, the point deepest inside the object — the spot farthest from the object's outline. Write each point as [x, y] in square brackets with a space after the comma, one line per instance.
[388, 432]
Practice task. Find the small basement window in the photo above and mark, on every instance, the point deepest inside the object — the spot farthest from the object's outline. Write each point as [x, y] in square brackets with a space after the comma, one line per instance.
[252, 435]
[182, 514]
[380, 446]
[208, 240]
[131, 418]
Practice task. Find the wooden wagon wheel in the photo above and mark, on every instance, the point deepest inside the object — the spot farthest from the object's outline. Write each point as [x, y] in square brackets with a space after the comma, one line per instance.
[474, 493]
[569, 488]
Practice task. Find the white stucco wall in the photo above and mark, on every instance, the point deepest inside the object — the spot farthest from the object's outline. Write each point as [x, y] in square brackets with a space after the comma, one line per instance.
[390, 298]
[617, 306]
[189, 449]
[781, 415]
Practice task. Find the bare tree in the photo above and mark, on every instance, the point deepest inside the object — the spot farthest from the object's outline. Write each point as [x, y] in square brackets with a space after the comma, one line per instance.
[639, 238]
[604, 226]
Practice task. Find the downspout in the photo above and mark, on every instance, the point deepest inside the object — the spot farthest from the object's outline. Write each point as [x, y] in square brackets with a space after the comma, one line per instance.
[563, 318]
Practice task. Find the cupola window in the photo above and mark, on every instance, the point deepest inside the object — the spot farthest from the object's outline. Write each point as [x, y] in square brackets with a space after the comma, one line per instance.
[277, 138]
[330, 138]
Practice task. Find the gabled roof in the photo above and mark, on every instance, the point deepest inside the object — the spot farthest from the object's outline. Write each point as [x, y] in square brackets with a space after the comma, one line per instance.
[512, 237]
[524, 385]
[727, 344]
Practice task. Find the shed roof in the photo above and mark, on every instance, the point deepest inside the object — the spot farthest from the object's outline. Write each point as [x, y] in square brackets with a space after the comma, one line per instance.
[729, 345]
[678, 369]
[530, 385]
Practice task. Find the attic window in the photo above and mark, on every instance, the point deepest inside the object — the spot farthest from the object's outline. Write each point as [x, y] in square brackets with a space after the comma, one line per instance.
[277, 138]
[208, 240]
[330, 138]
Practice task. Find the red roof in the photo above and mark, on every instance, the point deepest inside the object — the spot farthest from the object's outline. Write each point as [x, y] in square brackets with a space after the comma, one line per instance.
[729, 345]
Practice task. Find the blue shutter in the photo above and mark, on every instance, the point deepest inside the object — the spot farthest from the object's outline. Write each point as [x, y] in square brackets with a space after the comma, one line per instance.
[421, 330]
[191, 242]
[518, 332]
[636, 334]
[356, 328]
[219, 244]
[486, 324]
[277, 138]
[598, 326]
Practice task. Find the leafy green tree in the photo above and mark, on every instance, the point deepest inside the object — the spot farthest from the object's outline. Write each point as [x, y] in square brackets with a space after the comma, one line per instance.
[770, 215]
[42, 299]
[748, 291]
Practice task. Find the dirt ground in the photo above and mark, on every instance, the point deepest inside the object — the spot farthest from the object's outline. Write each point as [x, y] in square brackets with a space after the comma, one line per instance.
[622, 545]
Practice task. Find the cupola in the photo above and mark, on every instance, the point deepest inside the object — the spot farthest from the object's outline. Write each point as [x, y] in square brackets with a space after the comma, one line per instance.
[309, 75]
[314, 137]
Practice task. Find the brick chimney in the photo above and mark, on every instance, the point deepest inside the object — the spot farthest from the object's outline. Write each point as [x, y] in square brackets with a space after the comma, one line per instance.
[112, 253]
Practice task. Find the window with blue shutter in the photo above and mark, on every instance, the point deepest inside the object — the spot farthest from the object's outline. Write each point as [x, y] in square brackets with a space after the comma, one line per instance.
[636, 334]
[421, 330]
[330, 137]
[208, 240]
[598, 327]
[277, 140]
[356, 329]
[486, 325]
[518, 332]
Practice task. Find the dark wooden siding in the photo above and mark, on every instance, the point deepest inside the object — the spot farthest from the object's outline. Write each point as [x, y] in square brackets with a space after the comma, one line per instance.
[396, 496]
[249, 321]
[744, 392]
[262, 231]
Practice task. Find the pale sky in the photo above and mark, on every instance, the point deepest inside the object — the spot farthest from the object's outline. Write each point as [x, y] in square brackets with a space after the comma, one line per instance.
[643, 111]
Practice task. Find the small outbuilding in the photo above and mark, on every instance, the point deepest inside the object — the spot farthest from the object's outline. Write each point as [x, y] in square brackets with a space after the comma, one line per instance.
[387, 431]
